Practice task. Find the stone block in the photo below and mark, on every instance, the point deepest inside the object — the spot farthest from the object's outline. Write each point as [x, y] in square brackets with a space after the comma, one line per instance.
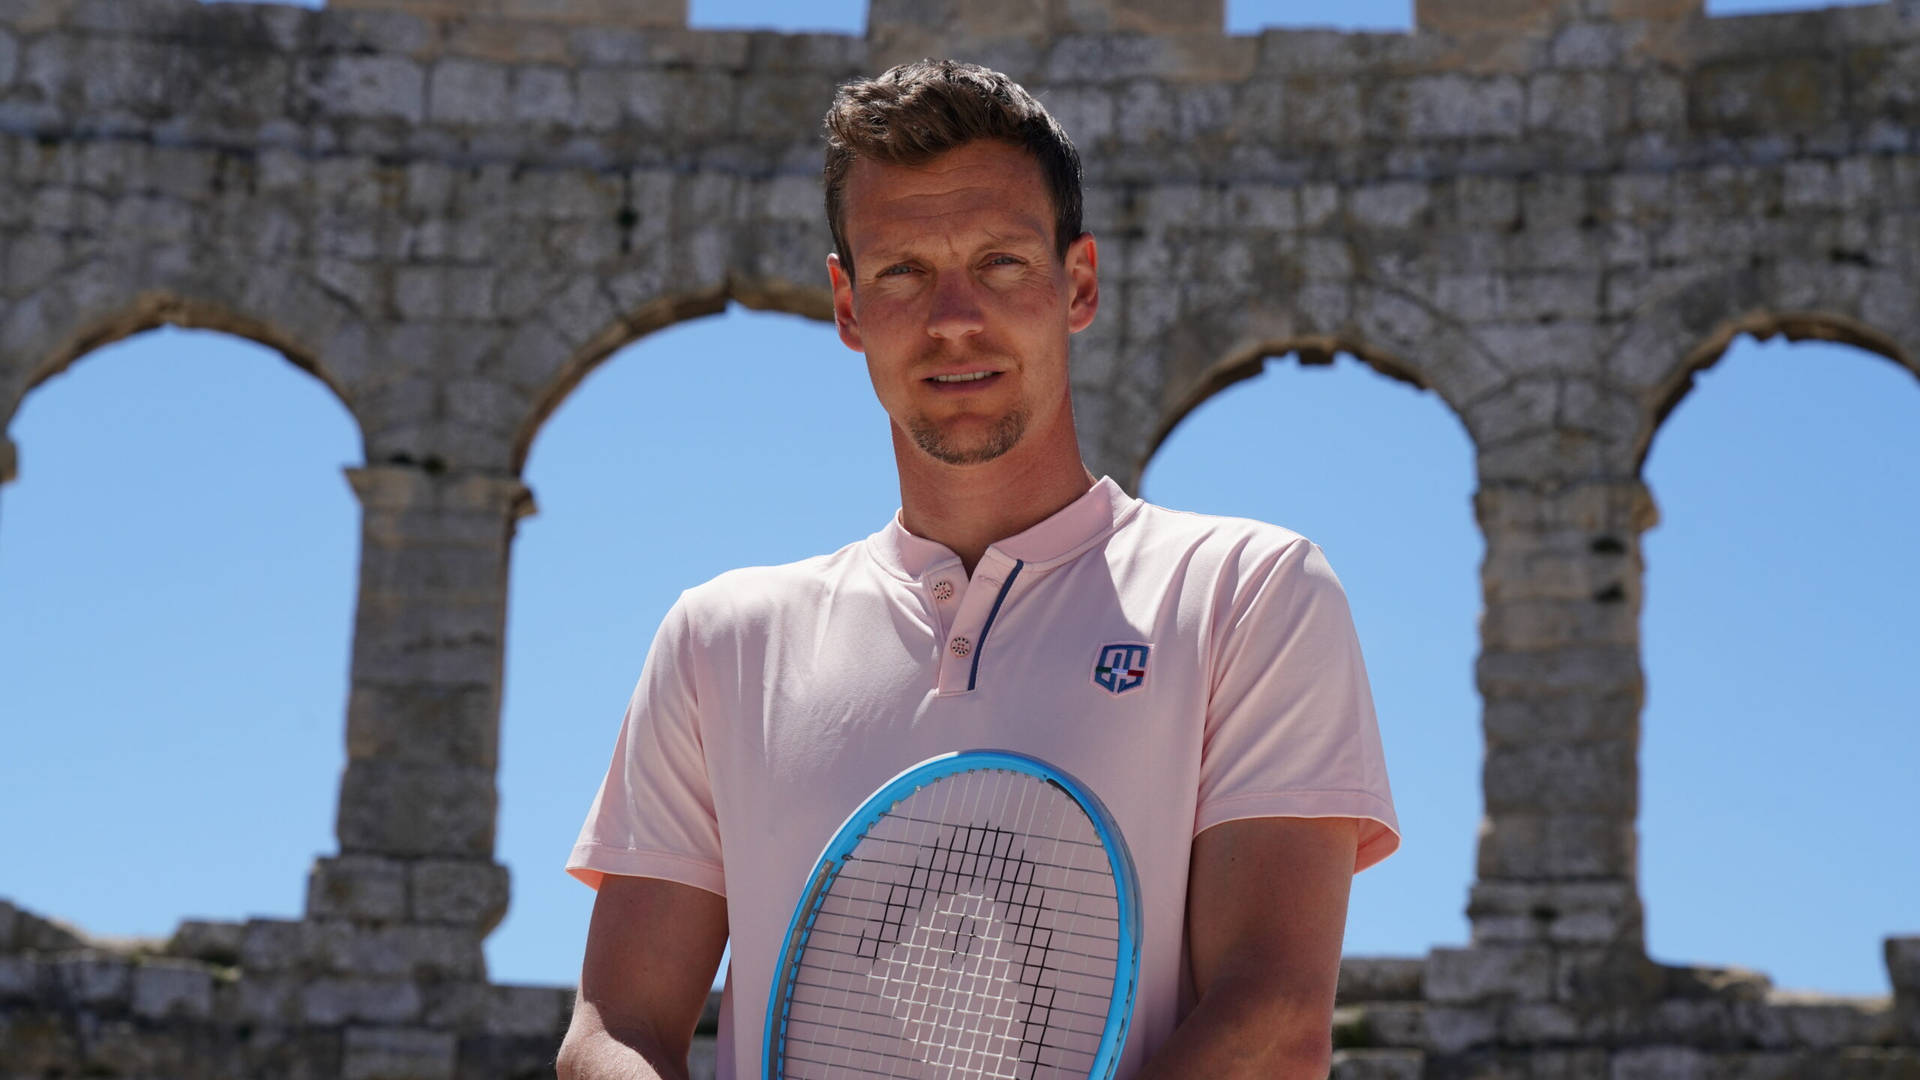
[1395, 205]
[542, 95]
[462, 91]
[1380, 978]
[358, 887]
[272, 945]
[19, 978]
[1599, 671]
[403, 809]
[1903, 967]
[1462, 106]
[1556, 913]
[331, 1001]
[663, 13]
[534, 1011]
[1525, 406]
[1556, 847]
[396, 1053]
[9, 58]
[91, 980]
[172, 991]
[406, 951]
[1454, 1029]
[1378, 1065]
[367, 87]
[1662, 1063]
[427, 725]
[469, 892]
[260, 999]
[1563, 778]
[1493, 973]
[1587, 978]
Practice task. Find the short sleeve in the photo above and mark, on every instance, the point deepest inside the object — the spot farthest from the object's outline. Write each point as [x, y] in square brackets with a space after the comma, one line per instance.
[1290, 728]
[653, 816]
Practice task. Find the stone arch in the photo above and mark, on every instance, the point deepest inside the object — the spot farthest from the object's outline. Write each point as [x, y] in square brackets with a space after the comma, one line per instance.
[564, 363]
[98, 303]
[1868, 309]
[1762, 326]
[1228, 343]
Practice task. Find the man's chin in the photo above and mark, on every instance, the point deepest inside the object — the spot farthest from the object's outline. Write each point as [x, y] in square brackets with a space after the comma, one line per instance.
[971, 448]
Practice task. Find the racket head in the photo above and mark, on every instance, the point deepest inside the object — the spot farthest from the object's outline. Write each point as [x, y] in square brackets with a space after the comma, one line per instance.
[1126, 893]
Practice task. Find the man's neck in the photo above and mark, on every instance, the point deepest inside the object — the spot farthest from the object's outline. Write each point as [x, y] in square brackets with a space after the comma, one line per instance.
[966, 509]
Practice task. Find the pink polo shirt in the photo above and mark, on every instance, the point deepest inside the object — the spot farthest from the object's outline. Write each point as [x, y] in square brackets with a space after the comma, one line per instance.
[1190, 669]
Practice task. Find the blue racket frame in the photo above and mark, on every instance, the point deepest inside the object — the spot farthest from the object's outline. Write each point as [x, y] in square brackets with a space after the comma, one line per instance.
[1126, 891]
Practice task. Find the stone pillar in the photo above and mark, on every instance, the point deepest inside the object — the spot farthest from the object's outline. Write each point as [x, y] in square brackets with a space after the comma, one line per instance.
[597, 12]
[418, 801]
[1556, 911]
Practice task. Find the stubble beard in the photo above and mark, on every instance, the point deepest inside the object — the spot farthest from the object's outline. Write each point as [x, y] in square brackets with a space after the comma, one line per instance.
[1003, 437]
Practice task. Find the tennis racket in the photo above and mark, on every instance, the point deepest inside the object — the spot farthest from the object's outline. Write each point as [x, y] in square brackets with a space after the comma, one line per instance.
[976, 917]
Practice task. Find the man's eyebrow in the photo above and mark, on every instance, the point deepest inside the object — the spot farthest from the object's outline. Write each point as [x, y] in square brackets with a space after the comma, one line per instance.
[883, 257]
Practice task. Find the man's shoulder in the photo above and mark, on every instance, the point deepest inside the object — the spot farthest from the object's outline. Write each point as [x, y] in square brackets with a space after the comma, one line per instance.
[755, 592]
[1187, 533]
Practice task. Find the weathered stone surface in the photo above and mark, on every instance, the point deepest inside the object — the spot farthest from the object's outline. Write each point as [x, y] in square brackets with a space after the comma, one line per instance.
[1903, 966]
[469, 892]
[1380, 978]
[397, 1053]
[1463, 976]
[358, 887]
[332, 1000]
[1378, 1064]
[172, 991]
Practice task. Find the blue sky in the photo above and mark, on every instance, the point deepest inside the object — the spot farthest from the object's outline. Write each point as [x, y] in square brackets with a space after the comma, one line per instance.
[177, 571]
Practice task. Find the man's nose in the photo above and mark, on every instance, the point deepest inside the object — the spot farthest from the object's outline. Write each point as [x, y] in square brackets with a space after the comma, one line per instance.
[956, 310]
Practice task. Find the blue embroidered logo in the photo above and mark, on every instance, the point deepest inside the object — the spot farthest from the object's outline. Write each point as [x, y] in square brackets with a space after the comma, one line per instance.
[1120, 668]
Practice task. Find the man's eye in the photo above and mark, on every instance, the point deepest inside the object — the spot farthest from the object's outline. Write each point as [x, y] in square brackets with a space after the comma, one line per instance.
[895, 270]
[1003, 260]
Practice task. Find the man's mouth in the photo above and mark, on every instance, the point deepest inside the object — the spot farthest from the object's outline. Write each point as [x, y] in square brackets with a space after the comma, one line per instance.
[971, 376]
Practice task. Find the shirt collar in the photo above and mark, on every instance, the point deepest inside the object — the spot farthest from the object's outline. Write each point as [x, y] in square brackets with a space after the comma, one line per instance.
[1069, 531]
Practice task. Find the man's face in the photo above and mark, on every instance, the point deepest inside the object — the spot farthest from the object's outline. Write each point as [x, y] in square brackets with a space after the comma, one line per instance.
[960, 302]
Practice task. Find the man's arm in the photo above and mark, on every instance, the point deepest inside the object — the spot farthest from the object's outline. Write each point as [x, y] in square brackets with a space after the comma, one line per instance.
[1266, 911]
[652, 948]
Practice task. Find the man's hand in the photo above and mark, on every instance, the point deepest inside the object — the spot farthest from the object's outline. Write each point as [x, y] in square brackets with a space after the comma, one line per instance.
[652, 949]
[1266, 911]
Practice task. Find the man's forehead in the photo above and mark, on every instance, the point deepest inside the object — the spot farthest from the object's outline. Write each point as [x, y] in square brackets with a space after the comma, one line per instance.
[989, 186]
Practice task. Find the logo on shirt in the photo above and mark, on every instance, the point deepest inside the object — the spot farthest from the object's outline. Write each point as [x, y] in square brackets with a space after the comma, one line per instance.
[1119, 668]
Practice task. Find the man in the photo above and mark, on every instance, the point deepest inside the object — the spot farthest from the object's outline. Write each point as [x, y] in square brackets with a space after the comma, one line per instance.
[1238, 751]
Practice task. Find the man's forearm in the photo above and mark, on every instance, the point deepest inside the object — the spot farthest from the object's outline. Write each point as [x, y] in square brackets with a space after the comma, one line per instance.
[1245, 1027]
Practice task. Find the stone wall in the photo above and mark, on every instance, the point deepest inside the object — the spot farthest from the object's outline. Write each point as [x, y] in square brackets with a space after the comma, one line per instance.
[1549, 213]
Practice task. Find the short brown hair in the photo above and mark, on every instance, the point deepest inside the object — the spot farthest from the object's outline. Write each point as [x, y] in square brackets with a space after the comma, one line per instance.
[915, 112]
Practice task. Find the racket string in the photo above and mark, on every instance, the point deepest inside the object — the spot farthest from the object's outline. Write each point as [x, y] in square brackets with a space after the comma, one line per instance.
[977, 957]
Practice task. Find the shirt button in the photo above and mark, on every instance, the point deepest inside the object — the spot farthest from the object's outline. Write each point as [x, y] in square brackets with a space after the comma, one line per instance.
[960, 646]
[943, 590]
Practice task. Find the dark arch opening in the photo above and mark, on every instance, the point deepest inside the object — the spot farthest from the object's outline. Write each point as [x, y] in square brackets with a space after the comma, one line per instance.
[1371, 470]
[1778, 736]
[177, 568]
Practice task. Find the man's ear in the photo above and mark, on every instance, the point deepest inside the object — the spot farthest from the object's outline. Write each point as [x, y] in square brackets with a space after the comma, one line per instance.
[843, 317]
[1083, 281]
